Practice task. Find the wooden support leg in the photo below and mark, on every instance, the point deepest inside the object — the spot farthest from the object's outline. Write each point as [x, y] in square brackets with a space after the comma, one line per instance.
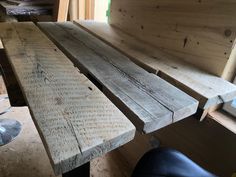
[82, 171]
[81, 10]
[13, 89]
[204, 114]
[201, 114]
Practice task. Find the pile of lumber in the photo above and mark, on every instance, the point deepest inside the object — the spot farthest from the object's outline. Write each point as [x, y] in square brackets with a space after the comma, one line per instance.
[208, 89]
[147, 100]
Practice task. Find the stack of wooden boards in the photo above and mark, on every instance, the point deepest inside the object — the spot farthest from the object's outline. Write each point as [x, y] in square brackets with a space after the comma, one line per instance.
[75, 120]
[207, 88]
[27, 7]
[147, 100]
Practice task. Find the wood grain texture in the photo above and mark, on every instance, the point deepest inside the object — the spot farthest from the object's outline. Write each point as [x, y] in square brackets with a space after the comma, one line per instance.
[225, 119]
[81, 9]
[75, 120]
[208, 89]
[149, 101]
[73, 9]
[10, 9]
[199, 32]
[60, 12]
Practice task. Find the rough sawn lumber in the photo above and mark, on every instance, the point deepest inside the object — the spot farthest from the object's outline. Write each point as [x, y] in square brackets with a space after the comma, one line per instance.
[75, 120]
[147, 100]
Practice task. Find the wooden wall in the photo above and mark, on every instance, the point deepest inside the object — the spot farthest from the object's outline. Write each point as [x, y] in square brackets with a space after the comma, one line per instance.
[201, 32]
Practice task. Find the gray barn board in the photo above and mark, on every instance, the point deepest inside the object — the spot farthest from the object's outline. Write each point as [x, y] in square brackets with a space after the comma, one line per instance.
[207, 88]
[148, 101]
[74, 119]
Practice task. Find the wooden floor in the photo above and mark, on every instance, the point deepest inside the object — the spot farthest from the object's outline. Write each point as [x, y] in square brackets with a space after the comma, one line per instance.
[26, 156]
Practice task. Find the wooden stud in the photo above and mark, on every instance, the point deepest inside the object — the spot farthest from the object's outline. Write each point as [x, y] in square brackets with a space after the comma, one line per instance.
[81, 9]
[90, 5]
[73, 9]
[60, 12]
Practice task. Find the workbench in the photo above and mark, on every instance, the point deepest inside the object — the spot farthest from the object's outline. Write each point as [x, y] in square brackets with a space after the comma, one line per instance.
[210, 90]
[83, 100]
[75, 120]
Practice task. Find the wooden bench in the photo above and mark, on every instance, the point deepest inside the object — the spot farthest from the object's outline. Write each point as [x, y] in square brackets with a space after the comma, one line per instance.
[75, 120]
[147, 100]
[16, 7]
[208, 89]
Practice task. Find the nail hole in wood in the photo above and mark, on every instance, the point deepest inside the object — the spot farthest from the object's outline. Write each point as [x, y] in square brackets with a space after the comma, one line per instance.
[228, 32]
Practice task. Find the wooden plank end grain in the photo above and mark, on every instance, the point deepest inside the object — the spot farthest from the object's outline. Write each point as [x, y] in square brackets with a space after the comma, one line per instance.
[147, 100]
[75, 120]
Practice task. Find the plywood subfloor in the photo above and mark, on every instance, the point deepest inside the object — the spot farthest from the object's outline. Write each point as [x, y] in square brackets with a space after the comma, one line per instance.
[26, 156]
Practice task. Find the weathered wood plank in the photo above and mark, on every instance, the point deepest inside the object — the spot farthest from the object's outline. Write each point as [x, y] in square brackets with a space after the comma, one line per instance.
[73, 9]
[208, 89]
[149, 101]
[75, 120]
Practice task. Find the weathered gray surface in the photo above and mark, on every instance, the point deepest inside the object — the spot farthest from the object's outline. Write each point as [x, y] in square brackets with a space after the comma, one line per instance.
[75, 120]
[149, 101]
[208, 89]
